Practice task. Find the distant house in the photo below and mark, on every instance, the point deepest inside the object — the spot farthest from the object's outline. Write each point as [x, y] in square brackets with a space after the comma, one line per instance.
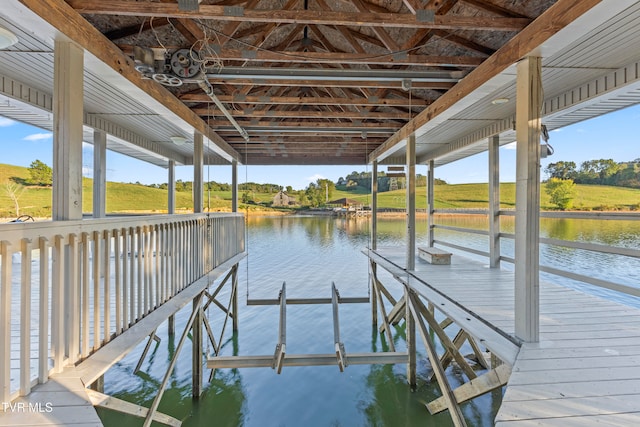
[283, 199]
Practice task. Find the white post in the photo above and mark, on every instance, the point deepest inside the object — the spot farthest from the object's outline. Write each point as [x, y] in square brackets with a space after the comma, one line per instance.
[430, 201]
[528, 106]
[374, 205]
[198, 167]
[494, 202]
[171, 205]
[99, 173]
[234, 186]
[411, 202]
[67, 135]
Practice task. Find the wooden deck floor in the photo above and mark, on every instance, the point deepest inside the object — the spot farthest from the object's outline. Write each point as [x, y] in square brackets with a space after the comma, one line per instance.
[584, 371]
[61, 401]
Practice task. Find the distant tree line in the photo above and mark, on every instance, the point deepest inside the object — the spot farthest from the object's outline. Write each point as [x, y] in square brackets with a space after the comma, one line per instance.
[187, 186]
[600, 172]
[363, 180]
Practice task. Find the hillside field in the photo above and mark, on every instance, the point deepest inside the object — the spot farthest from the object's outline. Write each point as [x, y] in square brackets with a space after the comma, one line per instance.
[36, 201]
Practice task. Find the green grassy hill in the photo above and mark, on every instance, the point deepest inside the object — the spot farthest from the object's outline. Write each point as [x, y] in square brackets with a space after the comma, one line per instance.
[36, 201]
[476, 196]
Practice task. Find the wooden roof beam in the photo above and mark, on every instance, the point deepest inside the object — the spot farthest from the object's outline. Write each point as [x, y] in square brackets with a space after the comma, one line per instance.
[332, 83]
[364, 19]
[488, 6]
[554, 19]
[304, 114]
[381, 33]
[313, 140]
[62, 17]
[297, 100]
[131, 30]
[463, 42]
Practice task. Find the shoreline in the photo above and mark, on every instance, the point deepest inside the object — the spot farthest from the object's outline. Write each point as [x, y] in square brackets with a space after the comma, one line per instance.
[327, 213]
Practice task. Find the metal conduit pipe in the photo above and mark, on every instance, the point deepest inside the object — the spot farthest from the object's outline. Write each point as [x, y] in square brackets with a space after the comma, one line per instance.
[208, 90]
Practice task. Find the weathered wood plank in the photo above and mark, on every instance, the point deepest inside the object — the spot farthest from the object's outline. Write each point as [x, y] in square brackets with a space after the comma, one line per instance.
[306, 360]
[541, 410]
[485, 383]
[610, 420]
[108, 402]
[571, 389]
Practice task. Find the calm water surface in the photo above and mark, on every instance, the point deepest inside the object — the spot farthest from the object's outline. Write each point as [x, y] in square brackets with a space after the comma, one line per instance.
[309, 253]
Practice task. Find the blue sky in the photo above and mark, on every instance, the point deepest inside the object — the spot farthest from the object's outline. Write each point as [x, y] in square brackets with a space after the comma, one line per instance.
[614, 136]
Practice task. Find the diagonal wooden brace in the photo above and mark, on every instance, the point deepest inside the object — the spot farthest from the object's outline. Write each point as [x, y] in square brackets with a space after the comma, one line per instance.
[449, 346]
[416, 308]
[485, 383]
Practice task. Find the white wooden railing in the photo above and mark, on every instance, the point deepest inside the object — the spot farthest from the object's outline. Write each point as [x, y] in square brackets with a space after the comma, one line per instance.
[69, 287]
[591, 247]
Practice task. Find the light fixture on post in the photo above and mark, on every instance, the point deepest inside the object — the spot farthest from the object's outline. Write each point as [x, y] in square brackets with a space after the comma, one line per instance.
[7, 38]
[178, 140]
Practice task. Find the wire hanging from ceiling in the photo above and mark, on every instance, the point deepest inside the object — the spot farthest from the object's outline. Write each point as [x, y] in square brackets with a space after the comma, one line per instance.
[246, 215]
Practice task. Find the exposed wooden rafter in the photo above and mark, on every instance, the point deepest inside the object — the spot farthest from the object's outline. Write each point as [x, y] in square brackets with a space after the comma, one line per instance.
[363, 19]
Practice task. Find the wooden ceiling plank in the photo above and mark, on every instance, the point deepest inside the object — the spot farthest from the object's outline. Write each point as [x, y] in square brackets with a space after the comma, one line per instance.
[364, 19]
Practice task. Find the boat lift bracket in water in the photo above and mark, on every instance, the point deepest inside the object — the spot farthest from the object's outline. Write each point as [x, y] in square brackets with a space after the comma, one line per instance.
[280, 359]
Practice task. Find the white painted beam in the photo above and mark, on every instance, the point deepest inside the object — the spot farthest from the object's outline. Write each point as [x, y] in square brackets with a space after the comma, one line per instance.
[411, 202]
[494, 202]
[67, 131]
[234, 186]
[374, 205]
[171, 204]
[528, 107]
[99, 174]
[198, 167]
[430, 201]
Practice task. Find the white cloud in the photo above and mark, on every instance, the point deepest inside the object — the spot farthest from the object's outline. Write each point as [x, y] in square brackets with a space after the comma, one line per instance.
[38, 136]
[4, 122]
[510, 146]
[315, 177]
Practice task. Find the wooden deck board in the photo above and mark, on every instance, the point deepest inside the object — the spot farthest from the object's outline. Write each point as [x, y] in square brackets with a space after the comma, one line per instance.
[584, 371]
[62, 400]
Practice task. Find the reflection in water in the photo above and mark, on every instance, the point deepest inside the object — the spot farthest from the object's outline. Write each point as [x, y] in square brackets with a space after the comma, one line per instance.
[309, 253]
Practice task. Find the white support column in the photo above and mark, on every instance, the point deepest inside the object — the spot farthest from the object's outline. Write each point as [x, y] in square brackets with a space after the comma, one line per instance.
[67, 130]
[411, 202]
[374, 205]
[171, 204]
[430, 201]
[234, 186]
[198, 175]
[99, 174]
[529, 103]
[494, 202]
